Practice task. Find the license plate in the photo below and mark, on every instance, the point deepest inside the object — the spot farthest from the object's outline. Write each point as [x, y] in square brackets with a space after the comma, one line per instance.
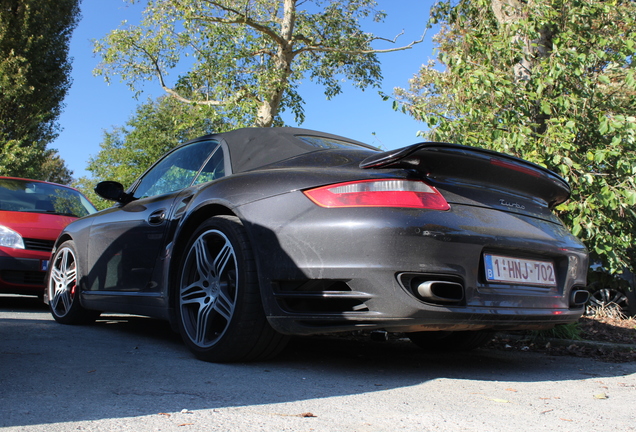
[512, 270]
[45, 265]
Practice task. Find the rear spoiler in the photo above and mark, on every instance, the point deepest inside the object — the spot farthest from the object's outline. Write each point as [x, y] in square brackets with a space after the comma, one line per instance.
[459, 163]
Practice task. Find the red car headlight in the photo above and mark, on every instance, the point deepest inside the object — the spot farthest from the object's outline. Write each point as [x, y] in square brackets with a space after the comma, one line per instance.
[10, 238]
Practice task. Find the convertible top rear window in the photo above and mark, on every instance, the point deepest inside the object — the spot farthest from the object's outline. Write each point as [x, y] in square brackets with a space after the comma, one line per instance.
[329, 143]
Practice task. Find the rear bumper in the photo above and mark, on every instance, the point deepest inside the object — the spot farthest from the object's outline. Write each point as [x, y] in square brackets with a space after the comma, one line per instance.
[458, 320]
[376, 298]
[343, 269]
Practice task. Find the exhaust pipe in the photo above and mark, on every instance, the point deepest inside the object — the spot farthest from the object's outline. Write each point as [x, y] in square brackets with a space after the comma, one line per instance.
[441, 291]
[579, 298]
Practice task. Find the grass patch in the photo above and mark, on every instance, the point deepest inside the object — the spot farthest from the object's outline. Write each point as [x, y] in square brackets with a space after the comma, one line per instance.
[562, 331]
[611, 311]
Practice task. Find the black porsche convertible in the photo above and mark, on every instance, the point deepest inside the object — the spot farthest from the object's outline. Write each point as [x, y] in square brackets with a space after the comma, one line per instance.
[241, 239]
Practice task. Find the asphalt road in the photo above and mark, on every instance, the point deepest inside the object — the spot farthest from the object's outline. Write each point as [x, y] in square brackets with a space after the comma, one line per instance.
[132, 374]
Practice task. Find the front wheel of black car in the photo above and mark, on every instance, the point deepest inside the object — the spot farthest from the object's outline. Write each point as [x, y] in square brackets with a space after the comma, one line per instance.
[63, 290]
[219, 309]
[450, 340]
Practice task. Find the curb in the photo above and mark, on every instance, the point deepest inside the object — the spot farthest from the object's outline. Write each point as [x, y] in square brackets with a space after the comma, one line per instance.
[590, 344]
[569, 342]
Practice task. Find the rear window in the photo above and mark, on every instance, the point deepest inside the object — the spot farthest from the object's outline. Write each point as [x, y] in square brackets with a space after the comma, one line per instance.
[37, 197]
[329, 143]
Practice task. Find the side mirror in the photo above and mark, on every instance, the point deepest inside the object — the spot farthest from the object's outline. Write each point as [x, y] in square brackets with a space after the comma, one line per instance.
[112, 191]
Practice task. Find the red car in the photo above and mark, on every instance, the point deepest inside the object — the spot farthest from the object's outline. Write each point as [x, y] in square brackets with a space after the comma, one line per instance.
[32, 214]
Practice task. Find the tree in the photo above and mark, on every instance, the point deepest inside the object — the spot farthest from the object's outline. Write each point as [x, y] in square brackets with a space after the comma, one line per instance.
[156, 127]
[550, 81]
[247, 57]
[54, 170]
[34, 79]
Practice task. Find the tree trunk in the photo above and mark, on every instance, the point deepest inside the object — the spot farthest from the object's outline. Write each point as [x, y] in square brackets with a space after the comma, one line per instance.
[270, 105]
[510, 11]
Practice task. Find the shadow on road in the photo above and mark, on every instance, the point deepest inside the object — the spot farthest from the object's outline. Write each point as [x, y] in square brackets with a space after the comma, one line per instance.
[21, 303]
[128, 366]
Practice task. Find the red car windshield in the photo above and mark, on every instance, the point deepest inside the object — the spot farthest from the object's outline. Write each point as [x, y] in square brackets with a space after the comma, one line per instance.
[38, 197]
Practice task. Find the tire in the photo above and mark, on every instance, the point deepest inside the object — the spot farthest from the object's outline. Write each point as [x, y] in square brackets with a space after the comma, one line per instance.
[218, 305]
[610, 300]
[63, 290]
[450, 341]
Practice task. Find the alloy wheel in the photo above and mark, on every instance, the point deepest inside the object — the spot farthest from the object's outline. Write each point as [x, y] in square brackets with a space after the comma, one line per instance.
[208, 289]
[609, 299]
[63, 282]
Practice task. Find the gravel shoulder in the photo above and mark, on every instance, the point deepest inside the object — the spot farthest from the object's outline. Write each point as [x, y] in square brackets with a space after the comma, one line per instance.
[604, 339]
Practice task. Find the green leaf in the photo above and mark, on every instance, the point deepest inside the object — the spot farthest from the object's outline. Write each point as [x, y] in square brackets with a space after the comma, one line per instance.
[545, 107]
[599, 156]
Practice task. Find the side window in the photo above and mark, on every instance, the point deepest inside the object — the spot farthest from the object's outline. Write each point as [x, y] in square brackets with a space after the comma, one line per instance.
[175, 171]
[213, 169]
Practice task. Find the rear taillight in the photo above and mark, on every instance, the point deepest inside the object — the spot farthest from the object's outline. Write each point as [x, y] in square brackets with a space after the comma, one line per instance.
[379, 193]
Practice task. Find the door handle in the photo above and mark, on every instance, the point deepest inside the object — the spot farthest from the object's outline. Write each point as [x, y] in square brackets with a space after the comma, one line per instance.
[157, 217]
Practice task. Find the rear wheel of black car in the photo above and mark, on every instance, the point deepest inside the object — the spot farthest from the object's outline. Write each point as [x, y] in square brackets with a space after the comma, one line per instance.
[63, 290]
[450, 340]
[219, 308]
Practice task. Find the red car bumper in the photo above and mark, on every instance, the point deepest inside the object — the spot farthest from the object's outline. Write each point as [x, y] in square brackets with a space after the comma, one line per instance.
[23, 271]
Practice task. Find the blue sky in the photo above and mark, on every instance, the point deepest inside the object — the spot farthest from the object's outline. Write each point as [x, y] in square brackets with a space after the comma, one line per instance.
[92, 106]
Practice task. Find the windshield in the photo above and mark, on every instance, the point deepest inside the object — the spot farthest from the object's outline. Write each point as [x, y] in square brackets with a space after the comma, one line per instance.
[37, 197]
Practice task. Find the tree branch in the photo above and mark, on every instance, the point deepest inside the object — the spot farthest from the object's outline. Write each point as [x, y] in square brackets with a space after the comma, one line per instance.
[321, 48]
[169, 90]
[242, 19]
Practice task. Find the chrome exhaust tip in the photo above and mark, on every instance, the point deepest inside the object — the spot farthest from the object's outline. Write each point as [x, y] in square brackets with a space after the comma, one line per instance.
[441, 291]
[579, 298]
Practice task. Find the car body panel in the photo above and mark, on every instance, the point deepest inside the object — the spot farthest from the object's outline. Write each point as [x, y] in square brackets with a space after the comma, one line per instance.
[409, 242]
[36, 225]
[337, 269]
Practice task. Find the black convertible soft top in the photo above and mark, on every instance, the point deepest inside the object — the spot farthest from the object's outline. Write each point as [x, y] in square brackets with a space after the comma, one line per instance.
[251, 148]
